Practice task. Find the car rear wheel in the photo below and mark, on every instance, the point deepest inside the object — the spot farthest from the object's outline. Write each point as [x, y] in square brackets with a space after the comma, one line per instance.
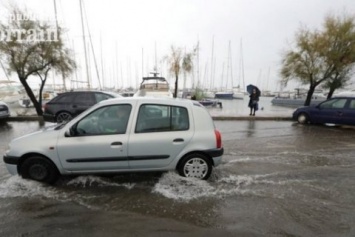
[302, 118]
[63, 116]
[39, 169]
[195, 165]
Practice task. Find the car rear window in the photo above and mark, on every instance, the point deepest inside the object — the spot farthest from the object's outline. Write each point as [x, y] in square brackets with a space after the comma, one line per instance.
[101, 96]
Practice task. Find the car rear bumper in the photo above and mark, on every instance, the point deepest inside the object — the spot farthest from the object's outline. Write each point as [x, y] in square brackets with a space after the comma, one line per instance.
[216, 155]
[215, 152]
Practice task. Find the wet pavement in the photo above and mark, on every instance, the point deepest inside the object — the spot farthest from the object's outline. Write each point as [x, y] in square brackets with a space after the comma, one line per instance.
[278, 178]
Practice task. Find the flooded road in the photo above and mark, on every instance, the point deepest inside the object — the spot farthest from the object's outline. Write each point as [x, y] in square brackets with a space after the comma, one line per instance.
[277, 179]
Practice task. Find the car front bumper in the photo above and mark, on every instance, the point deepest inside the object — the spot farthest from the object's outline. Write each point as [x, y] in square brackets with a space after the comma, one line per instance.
[11, 164]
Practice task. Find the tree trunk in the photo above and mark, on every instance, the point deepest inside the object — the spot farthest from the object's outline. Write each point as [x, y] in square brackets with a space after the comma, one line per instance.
[309, 95]
[176, 85]
[330, 93]
[30, 94]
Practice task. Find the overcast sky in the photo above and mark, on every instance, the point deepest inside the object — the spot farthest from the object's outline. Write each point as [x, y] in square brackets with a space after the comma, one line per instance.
[126, 35]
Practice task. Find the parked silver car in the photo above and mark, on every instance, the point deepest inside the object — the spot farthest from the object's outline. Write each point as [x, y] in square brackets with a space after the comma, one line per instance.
[4, 110]
[122, 135]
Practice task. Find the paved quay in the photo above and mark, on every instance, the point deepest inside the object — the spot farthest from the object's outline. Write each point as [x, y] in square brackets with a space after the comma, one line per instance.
[232, 110]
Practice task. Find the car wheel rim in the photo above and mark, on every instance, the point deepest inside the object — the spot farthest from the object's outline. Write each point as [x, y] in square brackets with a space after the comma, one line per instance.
[38, 172]
[302, 118]
[196, 168]
[63, 117]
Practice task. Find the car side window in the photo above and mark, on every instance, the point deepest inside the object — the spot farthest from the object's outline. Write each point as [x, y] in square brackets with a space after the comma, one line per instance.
[161, 118]
[84, 98]
[107, 120]
[352, 104]
[333, 104]
[66, 98]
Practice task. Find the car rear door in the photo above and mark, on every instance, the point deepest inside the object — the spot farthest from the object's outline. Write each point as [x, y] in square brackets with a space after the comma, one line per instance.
[161, 133]
[81, 102]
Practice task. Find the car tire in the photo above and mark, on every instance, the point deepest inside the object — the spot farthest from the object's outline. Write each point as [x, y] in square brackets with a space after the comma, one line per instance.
[63, 116]
[195, 165]
[302, 118]
[39, 169]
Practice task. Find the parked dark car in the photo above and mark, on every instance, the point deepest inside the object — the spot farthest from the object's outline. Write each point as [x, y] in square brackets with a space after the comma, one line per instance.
[337, 110]
[67, 105]
[4, 110]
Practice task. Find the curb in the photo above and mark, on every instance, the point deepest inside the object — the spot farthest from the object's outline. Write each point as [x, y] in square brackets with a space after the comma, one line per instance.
[220, 118]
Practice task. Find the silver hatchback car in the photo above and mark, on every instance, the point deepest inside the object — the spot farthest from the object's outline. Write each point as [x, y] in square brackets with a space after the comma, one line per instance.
[122, 135]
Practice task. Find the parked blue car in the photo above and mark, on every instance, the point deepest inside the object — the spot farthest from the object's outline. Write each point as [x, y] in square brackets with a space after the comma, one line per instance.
[337, 110]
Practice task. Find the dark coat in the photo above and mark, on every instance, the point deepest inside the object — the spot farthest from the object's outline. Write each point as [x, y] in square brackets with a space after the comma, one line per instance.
[253, 101]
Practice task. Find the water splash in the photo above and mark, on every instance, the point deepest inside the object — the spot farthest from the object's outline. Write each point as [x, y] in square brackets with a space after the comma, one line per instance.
[15, 186]
[85, 181]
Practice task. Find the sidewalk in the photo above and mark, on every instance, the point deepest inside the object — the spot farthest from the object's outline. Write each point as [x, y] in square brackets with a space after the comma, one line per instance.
[29, 114]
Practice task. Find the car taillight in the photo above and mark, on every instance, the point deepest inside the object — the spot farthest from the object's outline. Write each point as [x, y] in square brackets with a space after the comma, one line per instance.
[218, 138]
[44, 107]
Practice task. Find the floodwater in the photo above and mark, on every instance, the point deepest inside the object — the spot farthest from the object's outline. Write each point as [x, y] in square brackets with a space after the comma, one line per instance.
[277, 179]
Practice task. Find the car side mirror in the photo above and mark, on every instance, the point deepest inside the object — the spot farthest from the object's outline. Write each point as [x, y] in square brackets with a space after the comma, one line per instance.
[70, 132]
[67, 133]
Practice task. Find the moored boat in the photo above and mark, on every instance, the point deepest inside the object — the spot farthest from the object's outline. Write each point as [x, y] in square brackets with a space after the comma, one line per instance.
[154, 86]
[224, 95]
[297, 100]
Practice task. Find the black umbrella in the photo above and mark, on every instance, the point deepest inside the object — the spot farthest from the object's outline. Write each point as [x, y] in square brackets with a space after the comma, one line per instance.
[250, 89]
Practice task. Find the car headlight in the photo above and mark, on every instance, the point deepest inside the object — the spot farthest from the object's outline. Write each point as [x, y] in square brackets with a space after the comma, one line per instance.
[7, 149]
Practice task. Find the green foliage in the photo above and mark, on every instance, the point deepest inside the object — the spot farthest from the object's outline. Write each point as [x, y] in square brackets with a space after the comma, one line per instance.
[324, 57]
[178, 62]
[199, 93]
[31, 47]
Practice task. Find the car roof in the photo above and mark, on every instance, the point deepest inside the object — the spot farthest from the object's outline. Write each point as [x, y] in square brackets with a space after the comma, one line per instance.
[173, 101]
[91, 91]
[346, 96]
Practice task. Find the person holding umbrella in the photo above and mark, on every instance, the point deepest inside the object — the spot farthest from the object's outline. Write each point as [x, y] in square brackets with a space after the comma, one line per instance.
[254, 99]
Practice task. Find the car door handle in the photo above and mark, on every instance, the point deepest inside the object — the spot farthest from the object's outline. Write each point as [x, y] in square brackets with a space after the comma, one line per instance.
[178, 140]
[116, 144]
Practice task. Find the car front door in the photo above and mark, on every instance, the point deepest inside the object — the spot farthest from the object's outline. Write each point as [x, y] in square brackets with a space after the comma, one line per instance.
[98, 142]
[330, 111]
[161, 133]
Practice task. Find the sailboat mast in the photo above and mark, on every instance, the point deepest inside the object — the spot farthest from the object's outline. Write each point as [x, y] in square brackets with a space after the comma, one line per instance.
[242, 61]
[211, 81]
[83, 32]
[57, 28]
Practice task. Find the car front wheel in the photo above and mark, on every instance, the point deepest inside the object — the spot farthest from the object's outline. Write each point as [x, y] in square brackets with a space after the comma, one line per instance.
[195, 165]
[302, 118]
[39, 169]
[63, 116]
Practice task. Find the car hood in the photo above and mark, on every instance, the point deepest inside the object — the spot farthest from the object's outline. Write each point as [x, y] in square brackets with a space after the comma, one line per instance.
[38, 136]
[306, 107]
